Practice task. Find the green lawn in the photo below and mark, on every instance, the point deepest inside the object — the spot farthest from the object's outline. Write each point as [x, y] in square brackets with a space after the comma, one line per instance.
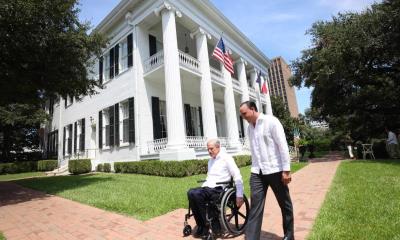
[140, 196]
[363, 202]
[2, 236]
[8, 177]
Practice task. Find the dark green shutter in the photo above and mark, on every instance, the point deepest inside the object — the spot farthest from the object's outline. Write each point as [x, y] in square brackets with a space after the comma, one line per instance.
[82, 137]
[64, 138]
[111, 125]
[75, 135]
[131, 107]
[70, 139]
[116, 124]
[111, 61]
[155, 104]
[241, 127]
[152, 45]
[188, 120]
[201, 122]
[130, 50]
[116, 59]
[101, 70]
[100, 126]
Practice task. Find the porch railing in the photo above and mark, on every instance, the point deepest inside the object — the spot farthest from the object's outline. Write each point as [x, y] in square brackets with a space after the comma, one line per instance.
[217, 76]
[189, 62]
[154, 61]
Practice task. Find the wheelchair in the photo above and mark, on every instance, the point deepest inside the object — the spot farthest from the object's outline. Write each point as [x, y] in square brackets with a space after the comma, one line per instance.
[232, 220]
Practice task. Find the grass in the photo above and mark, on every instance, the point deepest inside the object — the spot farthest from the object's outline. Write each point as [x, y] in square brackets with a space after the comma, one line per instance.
[140, 196]
[16, 176]
[363, 202]
[2, 236]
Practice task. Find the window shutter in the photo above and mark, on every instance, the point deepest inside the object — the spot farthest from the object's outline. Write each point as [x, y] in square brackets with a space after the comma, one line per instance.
[65, 103]
[111, 114]
[201, 122]
[100, 126]
[116, 124]
[188, 120]
[241, 126]
[111, 71]
[51, 105]
[82, 137]
[131, 108]
[75, 135]
[64, 142]
[70, 139]
[155, 104]
[130, 50]
[152, 45]
[101, 70]
[116, 59]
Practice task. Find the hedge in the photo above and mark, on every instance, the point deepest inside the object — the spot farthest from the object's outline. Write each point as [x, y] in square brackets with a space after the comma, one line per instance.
[79, 166]
[47, 165]
[18, 167]
[172, 168]
[107, 167]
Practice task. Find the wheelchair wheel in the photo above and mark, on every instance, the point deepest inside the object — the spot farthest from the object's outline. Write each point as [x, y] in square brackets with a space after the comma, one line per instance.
[234, 219]
[187, 230]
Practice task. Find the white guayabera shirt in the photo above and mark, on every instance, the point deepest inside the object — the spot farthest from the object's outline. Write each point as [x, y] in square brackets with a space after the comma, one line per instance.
[269, 148]
[221, 169]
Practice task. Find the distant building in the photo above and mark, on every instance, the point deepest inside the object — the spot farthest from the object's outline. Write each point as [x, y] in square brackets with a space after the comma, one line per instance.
[279, 74]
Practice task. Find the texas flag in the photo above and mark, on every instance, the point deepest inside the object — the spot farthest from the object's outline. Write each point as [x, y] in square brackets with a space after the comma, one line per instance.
[264, 88]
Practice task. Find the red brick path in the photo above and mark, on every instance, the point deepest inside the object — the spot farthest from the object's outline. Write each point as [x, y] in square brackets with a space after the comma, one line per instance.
[28, 214]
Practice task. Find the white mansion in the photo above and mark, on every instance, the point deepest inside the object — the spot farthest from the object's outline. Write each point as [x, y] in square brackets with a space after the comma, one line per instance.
[164, 94]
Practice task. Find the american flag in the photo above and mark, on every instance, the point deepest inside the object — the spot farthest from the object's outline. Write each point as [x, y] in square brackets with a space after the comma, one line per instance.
[223, 56]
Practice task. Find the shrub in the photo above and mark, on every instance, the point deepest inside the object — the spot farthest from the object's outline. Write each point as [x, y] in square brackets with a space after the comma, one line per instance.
[18, 167]
[322, 144]
[107, 167]
[79, 166]
[172, 168]
[47, 165]
[99, 167]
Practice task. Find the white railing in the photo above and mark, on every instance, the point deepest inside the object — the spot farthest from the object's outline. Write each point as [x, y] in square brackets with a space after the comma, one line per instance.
[236, 85]
[154, 61]
[245, 144]
[217, 76]
[156, 146]
[189, 62]
[196, 142]
[252, 92]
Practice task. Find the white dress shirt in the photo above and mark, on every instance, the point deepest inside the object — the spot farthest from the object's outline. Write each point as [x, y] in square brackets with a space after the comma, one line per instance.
[269, 148]
[221, 169]
[391, 138]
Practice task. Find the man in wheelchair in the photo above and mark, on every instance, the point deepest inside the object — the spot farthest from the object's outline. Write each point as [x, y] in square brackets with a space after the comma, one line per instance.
[221, 169]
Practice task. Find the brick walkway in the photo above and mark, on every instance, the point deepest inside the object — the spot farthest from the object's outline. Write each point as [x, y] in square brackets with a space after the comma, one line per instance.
[29, 214]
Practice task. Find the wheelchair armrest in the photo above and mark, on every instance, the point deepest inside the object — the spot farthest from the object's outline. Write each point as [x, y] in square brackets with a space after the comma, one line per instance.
[226, 182]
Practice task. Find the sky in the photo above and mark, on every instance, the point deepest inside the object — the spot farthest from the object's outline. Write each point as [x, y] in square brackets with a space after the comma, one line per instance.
[276, 27]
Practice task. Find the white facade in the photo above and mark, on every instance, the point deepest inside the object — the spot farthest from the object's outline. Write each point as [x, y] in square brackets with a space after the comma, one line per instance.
[164, 94]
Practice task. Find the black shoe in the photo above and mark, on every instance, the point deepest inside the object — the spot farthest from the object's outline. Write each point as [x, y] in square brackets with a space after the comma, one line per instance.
[199, 231]
[288, 237]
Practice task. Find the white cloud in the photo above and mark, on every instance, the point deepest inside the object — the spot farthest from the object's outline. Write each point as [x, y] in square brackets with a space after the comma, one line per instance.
[346, 5]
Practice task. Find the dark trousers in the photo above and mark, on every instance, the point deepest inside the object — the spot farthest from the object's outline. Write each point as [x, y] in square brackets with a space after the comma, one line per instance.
[259, 185]
[198, 197]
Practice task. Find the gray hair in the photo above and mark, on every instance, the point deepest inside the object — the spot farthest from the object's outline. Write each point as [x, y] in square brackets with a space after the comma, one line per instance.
[214, 141]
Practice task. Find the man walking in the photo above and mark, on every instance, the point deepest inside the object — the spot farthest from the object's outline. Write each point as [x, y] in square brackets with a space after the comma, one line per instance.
[270, 168]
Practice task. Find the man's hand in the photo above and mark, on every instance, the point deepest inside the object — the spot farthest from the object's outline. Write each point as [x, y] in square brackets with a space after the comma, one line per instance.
[286, 177]
[239, 201]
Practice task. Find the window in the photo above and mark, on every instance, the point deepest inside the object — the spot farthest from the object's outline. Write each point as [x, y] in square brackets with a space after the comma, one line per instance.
[163, 119]
[124, 122]
[123, 53]
[195, 121]
[106, 127]
[80, 135]
[106, 62]
[52, 144]
[67, 150]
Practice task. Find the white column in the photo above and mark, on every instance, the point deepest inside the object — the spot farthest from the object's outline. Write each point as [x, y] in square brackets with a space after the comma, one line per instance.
[60, 133]
[267, 96]
[253, 79]
[241, 68]
[230, 111]
[206, 93]
[176, 148]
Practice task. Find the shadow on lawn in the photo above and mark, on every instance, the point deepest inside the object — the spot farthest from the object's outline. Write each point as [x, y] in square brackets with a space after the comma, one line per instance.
[19, 191]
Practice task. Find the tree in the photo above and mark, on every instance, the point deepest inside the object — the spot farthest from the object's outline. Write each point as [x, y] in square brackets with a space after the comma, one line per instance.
[354, 68]
[283, 114]
[45, 51]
